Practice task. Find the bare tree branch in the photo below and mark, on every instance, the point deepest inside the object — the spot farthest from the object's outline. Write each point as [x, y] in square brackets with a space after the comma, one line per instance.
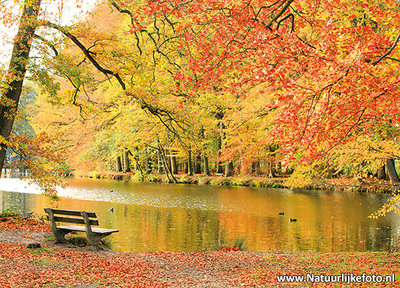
[87, 53]
[133, 22]
[47, 42]
[291, 16]
[284, 8]
[389, 51]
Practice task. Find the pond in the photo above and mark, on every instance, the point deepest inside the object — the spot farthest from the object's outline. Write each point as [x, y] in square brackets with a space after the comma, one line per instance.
[177, 217]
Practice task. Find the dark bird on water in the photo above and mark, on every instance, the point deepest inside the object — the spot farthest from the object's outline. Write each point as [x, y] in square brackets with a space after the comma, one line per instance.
[281, 213]
[112, 210]
[293, 220]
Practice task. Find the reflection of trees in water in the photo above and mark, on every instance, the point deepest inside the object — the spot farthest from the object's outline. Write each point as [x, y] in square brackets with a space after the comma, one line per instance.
[14, 173]
[333, 221]
[15, 200]
[164, 229]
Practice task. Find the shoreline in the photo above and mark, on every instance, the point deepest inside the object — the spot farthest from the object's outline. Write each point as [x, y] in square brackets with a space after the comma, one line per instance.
[367, 185]
[55, 265]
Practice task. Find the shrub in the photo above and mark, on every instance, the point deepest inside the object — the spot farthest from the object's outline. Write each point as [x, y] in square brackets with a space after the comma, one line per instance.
[203, 180]
[240, 182]
[238, 245]
[9, 213]
[220, 181]
[137, 177]
[152, 178]
[184, 179]
[256, 183]
[94, 174]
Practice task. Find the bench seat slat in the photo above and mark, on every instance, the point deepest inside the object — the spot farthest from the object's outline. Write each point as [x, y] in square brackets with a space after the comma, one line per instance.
[82, 229]
[74, 220]
[72, 212]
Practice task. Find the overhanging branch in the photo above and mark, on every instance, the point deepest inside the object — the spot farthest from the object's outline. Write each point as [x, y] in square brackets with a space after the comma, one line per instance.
[158, 112]
[389, 51]
[280, 13]
[87, 53]
[47, 42]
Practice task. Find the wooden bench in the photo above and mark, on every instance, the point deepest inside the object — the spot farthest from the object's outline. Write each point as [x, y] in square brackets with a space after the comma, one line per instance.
[94, 235]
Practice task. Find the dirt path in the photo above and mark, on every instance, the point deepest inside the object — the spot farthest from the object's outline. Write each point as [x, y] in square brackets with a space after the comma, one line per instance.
[171, 269]
[56, 263]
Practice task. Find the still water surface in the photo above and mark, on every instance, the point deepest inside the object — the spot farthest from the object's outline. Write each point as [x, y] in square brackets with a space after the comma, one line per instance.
[167, 217]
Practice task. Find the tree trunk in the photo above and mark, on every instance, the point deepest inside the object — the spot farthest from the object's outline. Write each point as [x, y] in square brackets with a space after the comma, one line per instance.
[174, 167]
[278, 170]
[166, 168]
[11, 91]
[159, 162]
[392, 171]
[190, 165]
[271, 173]
[220, 169]
[172, 162]
[118, 163]
[228, 169]
[197, 169]
[126, 161]
[149, 165]
[206, 166]
[381, 174]
[147, 162]
[205, 158]
[255, 168]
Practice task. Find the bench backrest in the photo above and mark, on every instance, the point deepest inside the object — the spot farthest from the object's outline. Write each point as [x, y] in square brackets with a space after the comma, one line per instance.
[78, 219]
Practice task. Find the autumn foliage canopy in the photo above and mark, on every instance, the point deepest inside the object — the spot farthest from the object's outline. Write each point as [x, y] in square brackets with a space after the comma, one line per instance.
[310, 83]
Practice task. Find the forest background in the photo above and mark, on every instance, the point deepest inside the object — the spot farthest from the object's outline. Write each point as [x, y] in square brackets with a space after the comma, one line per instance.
[306, 88]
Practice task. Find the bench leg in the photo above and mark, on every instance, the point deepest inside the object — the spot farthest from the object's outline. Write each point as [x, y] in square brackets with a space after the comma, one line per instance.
[60, 235]
[94, 239]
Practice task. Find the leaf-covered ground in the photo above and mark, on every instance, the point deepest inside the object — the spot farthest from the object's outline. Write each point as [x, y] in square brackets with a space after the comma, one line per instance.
[61, 266]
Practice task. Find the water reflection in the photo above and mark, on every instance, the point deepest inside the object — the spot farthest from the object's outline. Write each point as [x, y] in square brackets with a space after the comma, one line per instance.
[157, 217]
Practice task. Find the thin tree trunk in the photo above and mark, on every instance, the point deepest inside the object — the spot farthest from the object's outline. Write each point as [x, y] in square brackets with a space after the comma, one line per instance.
[206, 166]
[220, 169]
[271, 168]
[205, 158]
[159, 162]
[11, 91]
[392, 171]
[197, 166]
[255, 168]
[190, 165]
[147, 163]
[278, 170]
[166, 168]
[126, 161]
[228, 169]
[174, 167]
[381, 174]
[118, 164]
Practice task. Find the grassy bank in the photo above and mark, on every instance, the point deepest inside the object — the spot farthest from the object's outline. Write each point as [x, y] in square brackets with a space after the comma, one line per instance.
[66, 266]
[369, 185]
